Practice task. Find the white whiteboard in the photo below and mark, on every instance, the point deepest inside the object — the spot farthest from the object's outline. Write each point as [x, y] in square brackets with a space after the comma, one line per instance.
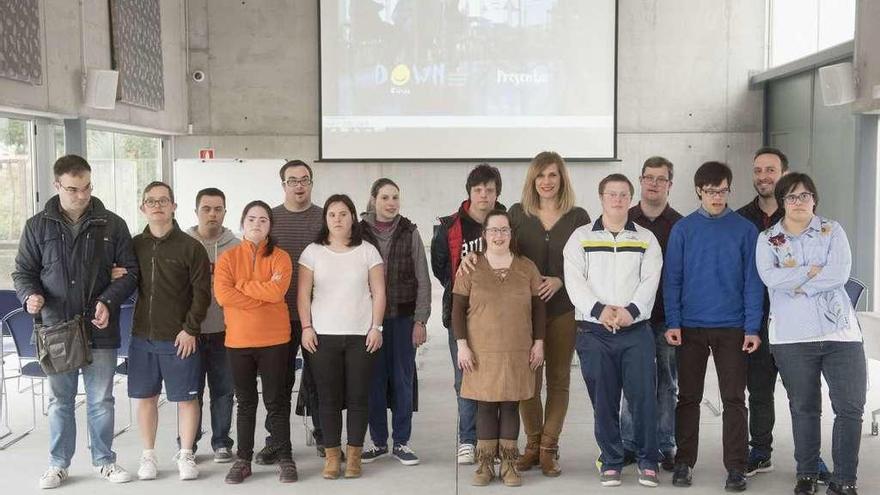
[241, 180]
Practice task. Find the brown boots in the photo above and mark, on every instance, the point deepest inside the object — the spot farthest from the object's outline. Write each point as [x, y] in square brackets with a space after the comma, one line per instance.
[485, 473]
[332, 463]
[353, 461]
[531, 454]
[509, 474]
[540, 451]
[548, 457]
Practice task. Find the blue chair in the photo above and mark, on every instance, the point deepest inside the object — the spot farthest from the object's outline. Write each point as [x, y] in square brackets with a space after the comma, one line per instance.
[8, 302]
[854, 289]
[20, 326]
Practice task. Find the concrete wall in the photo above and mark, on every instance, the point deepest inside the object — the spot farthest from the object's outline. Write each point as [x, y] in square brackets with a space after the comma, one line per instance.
[65, 24]
[682, 92]
[867, 57]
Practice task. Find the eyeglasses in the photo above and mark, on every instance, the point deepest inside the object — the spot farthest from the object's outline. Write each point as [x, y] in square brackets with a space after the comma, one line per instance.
[650, 179]
[292, 182]
[502, 231]
[716, 193]
[152, 203]
[803, 197]
[75, 190]
[617, 195]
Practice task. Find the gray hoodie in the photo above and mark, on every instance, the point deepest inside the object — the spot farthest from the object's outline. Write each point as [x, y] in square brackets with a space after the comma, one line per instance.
[214, 321]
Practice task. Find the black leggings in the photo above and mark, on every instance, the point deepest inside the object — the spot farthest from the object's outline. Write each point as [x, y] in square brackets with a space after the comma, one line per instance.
[271, 364]
[497, 420]
[343, 369]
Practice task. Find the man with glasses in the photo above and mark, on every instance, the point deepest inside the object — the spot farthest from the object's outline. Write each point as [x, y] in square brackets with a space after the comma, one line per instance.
[612, 271]
[173, 298]
[73, 241]
[655, 214]
[713, 299]
[296, 223]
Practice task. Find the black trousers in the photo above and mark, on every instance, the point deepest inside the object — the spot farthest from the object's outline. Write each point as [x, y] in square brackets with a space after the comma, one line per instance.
[271, 364]
[307, 390]
[762, 388]
[343, 370]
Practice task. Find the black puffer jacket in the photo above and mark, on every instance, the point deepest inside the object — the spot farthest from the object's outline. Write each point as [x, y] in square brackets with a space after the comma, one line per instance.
[51, 263]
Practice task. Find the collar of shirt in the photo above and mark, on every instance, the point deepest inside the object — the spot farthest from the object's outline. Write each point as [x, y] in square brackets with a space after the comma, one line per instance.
[598, 225]
[706, 214]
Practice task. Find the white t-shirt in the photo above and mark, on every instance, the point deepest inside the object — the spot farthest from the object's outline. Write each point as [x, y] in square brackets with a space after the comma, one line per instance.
[341, 300]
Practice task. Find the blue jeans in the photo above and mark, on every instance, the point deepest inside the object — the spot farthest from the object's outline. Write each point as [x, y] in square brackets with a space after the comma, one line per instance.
[843, 366]
[467, 408]
[395, 367]
[98, 379]
[667, 396]
[217, 372]
[615, 363]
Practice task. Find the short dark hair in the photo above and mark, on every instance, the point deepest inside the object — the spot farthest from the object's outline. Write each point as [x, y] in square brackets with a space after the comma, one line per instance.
[74, 165]
[483, 174]
[789, 182]
[270, 241]
[616, 178]
[514, 247]
[712, 174]
[295, 163]
[769, 150]
[155, 184]
[657, 162]
[210, 191]
[357, 235]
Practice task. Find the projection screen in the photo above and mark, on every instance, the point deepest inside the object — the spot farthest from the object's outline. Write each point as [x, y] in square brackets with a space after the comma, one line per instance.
[467, 79]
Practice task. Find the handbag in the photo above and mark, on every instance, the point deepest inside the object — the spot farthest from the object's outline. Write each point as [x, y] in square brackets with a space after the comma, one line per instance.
[66, 346]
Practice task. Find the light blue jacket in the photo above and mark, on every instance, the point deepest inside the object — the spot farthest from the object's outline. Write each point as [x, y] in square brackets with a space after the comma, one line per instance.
[801, 307]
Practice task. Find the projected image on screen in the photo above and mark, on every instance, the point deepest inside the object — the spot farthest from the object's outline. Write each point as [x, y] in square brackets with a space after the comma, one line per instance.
[464, 79]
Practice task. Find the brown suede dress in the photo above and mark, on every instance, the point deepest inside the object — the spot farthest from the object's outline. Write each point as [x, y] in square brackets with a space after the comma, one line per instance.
[499, 329]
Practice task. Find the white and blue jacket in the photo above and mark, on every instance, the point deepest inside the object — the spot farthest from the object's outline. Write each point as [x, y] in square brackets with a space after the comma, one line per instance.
[602, 269]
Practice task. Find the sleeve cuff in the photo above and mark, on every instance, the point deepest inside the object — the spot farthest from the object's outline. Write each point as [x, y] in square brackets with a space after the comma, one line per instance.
[597, 310]
[633, 311]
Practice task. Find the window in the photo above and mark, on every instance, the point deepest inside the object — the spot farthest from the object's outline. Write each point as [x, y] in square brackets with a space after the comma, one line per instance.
[16, 202]
[798, 28]
[122, 165]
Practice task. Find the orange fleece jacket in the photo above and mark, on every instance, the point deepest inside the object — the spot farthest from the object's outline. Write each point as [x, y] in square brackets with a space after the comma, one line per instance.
[253, 304]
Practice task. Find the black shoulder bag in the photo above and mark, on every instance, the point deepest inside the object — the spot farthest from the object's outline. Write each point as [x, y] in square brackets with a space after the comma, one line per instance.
[66, 346]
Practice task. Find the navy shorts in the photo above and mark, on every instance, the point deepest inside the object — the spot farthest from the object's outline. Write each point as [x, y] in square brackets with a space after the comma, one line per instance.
[150, 362]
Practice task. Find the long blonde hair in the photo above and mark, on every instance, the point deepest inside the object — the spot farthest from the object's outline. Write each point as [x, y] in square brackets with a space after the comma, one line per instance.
[565, 199]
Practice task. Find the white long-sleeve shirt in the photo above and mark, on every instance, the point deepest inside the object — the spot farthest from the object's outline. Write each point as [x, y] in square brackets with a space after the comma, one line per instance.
[603, 269]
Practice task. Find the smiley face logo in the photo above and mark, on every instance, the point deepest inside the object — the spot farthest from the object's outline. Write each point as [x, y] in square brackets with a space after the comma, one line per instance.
[400, 75]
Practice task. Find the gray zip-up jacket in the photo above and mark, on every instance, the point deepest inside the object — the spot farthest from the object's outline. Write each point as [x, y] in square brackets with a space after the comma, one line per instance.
[214, 322]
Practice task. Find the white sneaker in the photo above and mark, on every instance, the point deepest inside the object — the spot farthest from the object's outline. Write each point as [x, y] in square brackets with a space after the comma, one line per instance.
[466, 453]
[186, 465]
[114, 473]
[149, 467]
[53, 477]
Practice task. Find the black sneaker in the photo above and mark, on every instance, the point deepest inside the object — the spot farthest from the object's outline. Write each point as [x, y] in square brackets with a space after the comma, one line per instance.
[267, 456]
[683, 475]
[667, 461]
[405, 455]
[736, 482]
[371, 454]
[238, 472]
[805, 486]
[841, 489]
[758, 463]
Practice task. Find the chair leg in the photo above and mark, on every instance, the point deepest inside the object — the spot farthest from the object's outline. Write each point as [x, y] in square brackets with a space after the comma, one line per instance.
[27, 432]
[130, 421]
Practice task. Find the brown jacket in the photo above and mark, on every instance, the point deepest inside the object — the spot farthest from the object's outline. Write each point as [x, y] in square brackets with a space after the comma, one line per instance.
[174, 290]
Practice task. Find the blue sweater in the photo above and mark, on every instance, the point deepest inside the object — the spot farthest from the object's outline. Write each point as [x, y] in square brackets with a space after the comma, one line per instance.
[710, 279]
